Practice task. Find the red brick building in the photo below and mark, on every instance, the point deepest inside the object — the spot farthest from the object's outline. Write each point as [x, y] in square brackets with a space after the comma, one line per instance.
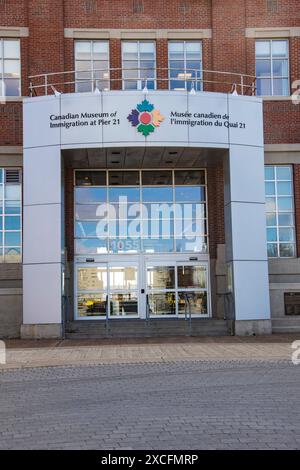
[248, 47]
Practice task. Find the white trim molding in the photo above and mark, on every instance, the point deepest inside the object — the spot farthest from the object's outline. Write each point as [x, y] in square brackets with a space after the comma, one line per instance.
[95, 33]
[272, 33]
[13, 32]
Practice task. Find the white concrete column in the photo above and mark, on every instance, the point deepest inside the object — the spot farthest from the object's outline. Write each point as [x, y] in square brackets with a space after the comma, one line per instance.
[245, 231]
[42, 242]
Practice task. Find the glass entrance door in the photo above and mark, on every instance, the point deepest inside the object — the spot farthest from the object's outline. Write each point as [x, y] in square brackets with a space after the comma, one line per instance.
[137, 286]
[107, 290]
[177, 289]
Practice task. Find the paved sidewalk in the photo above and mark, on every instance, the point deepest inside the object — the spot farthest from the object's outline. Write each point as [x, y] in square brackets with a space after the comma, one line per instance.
[45, 353]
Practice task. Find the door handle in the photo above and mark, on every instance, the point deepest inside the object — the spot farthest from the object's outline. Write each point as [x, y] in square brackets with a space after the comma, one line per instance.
[142, 291]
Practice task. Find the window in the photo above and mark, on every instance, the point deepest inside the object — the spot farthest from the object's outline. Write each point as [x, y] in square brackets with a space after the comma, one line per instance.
[185, 65]
[10, 215]
[138, 64]
[280, 211]
[272, 67]
[10, 69]
[92, 65]
[150, 211]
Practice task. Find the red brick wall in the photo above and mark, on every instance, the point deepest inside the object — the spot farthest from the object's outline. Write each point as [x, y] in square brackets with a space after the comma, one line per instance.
[215, 198]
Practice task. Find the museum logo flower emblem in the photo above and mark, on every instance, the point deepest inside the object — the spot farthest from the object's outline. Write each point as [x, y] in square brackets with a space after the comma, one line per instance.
[145, 118]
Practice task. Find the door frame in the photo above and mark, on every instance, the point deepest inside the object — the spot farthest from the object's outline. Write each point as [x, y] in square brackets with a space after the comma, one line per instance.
[141, 261]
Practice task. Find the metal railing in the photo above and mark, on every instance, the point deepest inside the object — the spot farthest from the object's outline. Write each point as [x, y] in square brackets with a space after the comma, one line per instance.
[157, 79]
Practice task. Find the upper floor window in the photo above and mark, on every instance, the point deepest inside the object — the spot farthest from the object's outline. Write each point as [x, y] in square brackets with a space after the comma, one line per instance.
[272, 67]
[10, 215]
[92, 65]
[185, 65]
[138, 65]
[10, 69]
[280, 211]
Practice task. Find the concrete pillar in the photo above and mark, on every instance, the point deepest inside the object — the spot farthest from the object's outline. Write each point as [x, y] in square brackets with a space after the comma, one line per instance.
[42, 241]
[245, 233]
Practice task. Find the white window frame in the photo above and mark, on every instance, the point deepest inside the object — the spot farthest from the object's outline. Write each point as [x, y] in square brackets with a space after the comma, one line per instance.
[185, 60]
[272, 77]
[277, 212]
[91, 62]
[2, 58]
[4, 215]
[139, 78]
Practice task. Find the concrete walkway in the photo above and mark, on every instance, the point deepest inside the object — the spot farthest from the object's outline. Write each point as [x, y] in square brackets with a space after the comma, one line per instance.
[45, 353]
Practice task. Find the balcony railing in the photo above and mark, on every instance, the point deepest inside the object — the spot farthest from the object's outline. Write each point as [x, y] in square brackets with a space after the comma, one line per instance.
[142, 79]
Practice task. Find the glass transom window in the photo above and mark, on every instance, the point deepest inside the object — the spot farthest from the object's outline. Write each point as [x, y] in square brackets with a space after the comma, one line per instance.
[10, 216]
[10, 68]
[92, 65]
[280, 211]
[138, 65]
[272, 67]
[149, 211]
[185, 65]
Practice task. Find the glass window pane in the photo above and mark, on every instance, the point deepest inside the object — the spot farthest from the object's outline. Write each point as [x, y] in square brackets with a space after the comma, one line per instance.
[83, 50]
[262, 48]
[86, 229]
[280, 68]
[12, 87]
[263, 87]
[190, 228]
[271, 219]
[100, 50]
[157, 194]
[191, 277]
[193, 50]
[287, 249]
[271, 234]
[176, 50]
[89, 212]
[196, 302]
[272, 250]
[92, 279]
[280, 48]
[156, 178]
[86, 195]
[270, 189]
[11, 69]
[263, 68]
[157, 245]
[124, 245]
[124, 304]
[280, 87]
[284, 173]
[160, 277]
[162, 303]
[12, 255]
[147, 50]
[123, 178]
[86, 246]
[284, 189]
[1, 175]
[124, 277]
[12, 207]
[189, 177]
[90, 178]
[130, 50]
[130, 194]
[269, 172]
[1, 240]
[91, 305]
[12, 223]
[285, 204]
[270, 204]
[185, 194]
[286, 235]
[285, 219]
[12, 238]
[196, 244]
[11, 49]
